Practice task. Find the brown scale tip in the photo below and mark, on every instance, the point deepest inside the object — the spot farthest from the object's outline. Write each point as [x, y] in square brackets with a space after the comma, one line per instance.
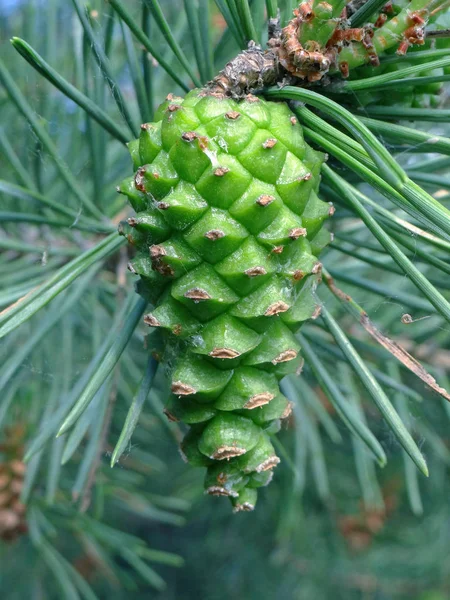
[151, 321]
[145, 126]
[232, 114]
[316, 312]
[177, 329]
[276, 308]
[221, 171]
[244, 507]
[255, 271]
[157, 251]
[277, 249]
[298, 275]
[305, 177]
[163, 205]
[188, 136]
[139, 179]
[293, 120]
[374, 61]
[202, 142]
[297, 232]
[214, 234]
[285, 356]
[258, 400]
[197, 294]
[132, 221]
[224, 452]
[184, 458]
[182, 389]
[224, 353]
[170, 416]
[268, 464]
[270, 143]
[217, 490]
[165, 270]
[156, 175]
[331, 210]
[265, 200]
[173, 107]
[251, 98]
[287, 411]
[317, 268]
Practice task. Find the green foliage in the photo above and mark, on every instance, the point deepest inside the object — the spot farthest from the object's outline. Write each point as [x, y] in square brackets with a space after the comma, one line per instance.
[73, 359]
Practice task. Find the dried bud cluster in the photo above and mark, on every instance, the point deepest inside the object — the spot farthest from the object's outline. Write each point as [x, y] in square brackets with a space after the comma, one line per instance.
[309, 47]
[12, 472]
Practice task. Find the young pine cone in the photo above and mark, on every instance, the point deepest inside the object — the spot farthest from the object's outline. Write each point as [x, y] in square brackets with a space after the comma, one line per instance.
[227, 231]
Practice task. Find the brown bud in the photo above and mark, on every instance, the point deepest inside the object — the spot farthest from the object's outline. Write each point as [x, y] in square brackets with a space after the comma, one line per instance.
[16, 486]
[8, 520]
[5, 498]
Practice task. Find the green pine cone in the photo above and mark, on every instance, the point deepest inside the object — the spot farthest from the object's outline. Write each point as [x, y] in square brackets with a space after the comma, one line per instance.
[227, 232]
